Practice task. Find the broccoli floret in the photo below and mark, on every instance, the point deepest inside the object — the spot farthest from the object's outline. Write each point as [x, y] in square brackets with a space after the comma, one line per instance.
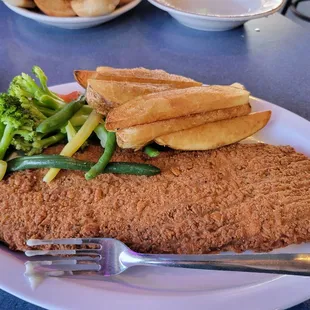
[18, 128]
[26, 101]
[21, 144]
[41, 76]
[40, 144]
[14, 120]
[23, 86]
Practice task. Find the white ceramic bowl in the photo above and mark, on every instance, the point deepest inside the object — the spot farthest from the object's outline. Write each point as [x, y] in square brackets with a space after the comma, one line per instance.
[217, 15]
[73, 22]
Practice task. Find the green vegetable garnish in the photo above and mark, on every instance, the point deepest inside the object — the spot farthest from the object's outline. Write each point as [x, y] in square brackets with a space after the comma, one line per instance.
[69, 163]
[151, 151]
[60, 118]
[110, 147]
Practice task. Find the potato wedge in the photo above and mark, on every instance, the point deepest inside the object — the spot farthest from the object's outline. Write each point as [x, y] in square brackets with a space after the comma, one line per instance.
[143, 75]
[175, 103]
[138, 136]
[136, 75]
[90, 8]
[82, 76]
[60, 8]
[106, 95]
[213, 135]
[28, 4]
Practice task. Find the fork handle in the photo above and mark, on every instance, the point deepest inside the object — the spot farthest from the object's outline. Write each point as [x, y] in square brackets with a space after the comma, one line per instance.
[289, 264]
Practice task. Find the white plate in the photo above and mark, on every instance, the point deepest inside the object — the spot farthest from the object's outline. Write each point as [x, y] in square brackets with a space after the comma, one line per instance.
[152, 288]
[72, 22]
[219, 15]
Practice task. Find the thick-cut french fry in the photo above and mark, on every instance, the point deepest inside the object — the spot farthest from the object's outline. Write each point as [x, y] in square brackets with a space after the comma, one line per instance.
[82, 76]
[138, 136]
[175, 103]
[143, 75]
[136, 75]
[216, 134]
[76, 142]
[106, 95]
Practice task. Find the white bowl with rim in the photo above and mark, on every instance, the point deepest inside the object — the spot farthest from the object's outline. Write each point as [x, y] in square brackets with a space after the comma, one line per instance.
[217, 15]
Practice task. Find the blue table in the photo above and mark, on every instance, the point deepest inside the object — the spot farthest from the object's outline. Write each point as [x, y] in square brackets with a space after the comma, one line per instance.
[272, 62]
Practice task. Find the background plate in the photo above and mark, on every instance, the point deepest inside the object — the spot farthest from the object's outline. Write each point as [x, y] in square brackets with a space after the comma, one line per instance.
[72, 22]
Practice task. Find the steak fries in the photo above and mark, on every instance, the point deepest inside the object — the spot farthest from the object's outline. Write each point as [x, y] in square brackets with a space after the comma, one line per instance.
[143, 106]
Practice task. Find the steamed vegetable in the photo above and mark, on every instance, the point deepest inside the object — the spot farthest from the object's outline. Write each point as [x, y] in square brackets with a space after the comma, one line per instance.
[77, 141]
[24, 87]
[3, 169]
[68, 163]
[49, 110]
[17, 125]
[44, 143]
[110, 146]
[80, 117]
[60, 118]
[151, 151]
[102, 134]
[70, 130]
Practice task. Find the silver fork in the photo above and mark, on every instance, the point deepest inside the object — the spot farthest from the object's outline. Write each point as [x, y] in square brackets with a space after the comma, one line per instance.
[112, 257]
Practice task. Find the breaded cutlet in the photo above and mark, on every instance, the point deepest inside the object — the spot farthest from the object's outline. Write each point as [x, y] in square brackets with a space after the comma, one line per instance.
[240, 197]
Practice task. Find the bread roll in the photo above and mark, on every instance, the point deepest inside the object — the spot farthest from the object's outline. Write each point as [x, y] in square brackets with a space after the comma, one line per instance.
[28, 4]
[59, 8]
[91, 8]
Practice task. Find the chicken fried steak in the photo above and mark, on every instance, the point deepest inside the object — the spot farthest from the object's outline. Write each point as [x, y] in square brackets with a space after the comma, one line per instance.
[236, 198]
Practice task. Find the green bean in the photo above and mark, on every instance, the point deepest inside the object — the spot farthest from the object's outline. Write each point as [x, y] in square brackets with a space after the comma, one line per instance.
[102, 134]
[46, 111]
[70, 131]
[60, 118]
[79, 118]
[151, 151]
[78, 121]
[2, 127]
[69, 163]
[110, 147]
[50, 102]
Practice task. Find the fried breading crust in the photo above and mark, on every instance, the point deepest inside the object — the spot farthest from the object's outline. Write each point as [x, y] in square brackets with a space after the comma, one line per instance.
[236, 198]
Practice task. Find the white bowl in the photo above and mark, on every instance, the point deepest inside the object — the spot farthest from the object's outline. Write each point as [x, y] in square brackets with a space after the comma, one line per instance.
[72, 22]
[217, 15]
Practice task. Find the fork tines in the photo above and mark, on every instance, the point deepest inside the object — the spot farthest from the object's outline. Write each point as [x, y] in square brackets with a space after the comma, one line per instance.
[54, 263]
[65, 241]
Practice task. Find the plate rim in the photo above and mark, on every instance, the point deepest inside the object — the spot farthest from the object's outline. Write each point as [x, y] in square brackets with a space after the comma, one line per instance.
[215, 17]
[254, 293]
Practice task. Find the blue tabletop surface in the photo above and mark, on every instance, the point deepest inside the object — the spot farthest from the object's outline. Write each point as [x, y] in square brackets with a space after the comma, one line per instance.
[272, 63]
